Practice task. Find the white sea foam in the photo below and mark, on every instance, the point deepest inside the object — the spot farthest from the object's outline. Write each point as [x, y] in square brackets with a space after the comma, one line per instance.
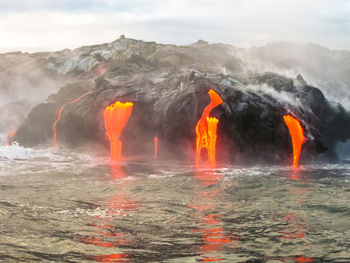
[15, 152]
[19, 160]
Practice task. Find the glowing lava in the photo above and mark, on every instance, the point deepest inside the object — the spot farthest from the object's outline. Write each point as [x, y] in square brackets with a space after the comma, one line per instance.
[297, 134]
[116, 117]
[10, 137]
[60, 113]
[155, 148]
[206, 130]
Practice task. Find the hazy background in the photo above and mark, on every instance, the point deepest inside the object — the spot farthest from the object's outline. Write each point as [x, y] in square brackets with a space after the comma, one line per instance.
[41, 25]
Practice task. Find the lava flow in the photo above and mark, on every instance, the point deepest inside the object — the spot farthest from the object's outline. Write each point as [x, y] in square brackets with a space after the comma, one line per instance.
[206, 130]
[155, 148]
[13, 133]
[116, 117]
[297, 135]
[60, 113]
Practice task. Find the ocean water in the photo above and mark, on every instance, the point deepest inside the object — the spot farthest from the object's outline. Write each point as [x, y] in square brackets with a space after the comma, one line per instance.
[62, 206]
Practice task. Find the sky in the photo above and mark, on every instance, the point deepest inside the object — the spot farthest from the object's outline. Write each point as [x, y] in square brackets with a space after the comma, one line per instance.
[44, 25]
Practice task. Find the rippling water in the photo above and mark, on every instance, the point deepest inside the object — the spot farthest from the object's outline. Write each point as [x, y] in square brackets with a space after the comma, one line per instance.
[70, 207]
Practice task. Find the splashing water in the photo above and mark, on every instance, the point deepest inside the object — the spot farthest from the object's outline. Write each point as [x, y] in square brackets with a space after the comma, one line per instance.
[206, 130]
[116, 117]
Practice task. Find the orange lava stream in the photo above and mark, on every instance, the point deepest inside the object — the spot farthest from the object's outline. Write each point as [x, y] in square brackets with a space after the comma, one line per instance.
[116, 117]
[155, 148]
[10, 136]
[297, 135]
[60, 113]
[206, 130]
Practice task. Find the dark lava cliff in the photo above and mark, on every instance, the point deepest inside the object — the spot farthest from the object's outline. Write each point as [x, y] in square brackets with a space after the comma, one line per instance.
[168, 85]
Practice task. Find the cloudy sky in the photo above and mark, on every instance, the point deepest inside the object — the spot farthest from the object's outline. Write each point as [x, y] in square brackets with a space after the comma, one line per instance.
[35, 25]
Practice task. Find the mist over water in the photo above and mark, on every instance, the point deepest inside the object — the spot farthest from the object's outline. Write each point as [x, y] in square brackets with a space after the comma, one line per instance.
[64, 206]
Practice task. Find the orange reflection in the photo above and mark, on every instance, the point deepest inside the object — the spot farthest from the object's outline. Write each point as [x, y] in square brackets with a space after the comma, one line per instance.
[297, 135]
[298, 259]
[107, 234]
[298, 230]
[208, 178]
[295, 228]
[213, 234]
[115, 118]
[122, 257]
[117, 171]
[206, 130]
[303, 259]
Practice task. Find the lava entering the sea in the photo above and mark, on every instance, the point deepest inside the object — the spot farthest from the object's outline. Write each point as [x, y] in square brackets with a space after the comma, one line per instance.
[60, 113]
[116, 117]
[297, 135]
[155, 148]
[9, 137]
[206, 130]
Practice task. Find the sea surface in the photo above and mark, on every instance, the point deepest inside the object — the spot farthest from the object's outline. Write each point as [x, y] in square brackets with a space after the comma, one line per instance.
[63, 206]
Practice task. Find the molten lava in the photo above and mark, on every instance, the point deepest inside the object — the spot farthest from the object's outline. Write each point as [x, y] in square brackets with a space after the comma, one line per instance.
[155, 148]
[206, 130]
[297, 135]
[60, 113]
[116, 117]
[9, 137]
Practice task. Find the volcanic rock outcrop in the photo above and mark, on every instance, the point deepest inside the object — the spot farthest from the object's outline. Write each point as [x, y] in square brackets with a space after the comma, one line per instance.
[251, 126]
[168, 86]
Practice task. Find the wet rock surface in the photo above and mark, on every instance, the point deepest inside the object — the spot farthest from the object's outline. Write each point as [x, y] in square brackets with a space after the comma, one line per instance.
[168, 85]
[251, 127]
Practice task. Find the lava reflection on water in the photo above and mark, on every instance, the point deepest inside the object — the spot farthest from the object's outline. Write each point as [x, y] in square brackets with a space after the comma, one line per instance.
[107, 234]
[295, 226]
[213, 235]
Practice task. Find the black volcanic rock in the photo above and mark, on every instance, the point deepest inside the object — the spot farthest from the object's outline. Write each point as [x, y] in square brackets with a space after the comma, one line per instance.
[251, 127]
[12, 114]
[168, 85]
[44, 73]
